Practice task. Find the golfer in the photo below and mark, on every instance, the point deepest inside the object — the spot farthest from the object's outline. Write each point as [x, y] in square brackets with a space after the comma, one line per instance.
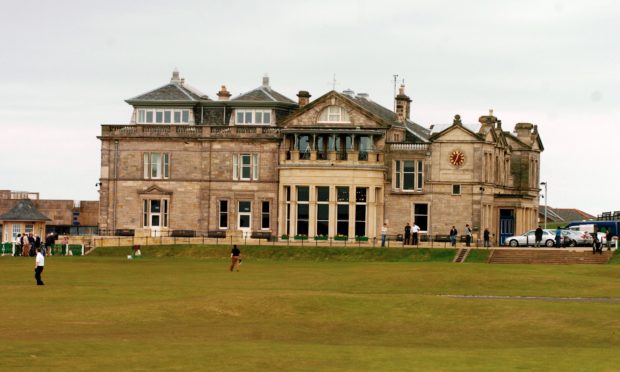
[38, 266]
[235, 257]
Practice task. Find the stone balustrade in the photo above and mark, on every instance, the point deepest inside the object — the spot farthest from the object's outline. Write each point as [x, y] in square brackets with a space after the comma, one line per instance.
[185, 131]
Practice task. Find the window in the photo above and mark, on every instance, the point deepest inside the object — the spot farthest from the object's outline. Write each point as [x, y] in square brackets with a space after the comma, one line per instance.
[420, 216]
[261, 117]
[342, 218]
[245, 167]
[322, 210]
[334, 114]
[29, 228]
[408, 175]
[163, 116]
[360, 211]
[287, 192]
[264, 221]
[155, 213]
[156, 165]
[17, 229]
[223, 214]
[303, 209]
[456, 189]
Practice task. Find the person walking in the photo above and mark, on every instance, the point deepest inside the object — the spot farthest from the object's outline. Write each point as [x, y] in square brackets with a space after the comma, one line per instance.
[235, 258]
[487, 237]
[39, 263]
[25, 245]
[415, 230]
[538, 236]
[468, 235]
[558, 237]
[608, 238]
[384, 231]
[453, 234]
[407, 239]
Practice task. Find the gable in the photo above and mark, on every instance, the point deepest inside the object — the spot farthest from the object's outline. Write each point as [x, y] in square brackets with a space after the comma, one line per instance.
[455, 133]
[309, 115]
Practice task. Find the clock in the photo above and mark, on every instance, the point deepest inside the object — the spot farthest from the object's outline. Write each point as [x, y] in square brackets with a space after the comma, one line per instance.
[457, 158]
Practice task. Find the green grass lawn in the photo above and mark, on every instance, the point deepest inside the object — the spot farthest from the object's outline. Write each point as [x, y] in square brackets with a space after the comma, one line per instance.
[290, 312]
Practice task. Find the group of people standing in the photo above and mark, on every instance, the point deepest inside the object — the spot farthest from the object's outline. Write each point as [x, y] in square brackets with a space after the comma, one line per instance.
[412, 235]
[27, 244]
[469, 236]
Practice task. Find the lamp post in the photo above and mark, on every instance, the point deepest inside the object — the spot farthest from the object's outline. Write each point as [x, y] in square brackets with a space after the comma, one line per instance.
[545, 184]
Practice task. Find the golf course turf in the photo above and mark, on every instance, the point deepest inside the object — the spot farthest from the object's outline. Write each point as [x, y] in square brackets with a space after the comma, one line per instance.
[290, 310]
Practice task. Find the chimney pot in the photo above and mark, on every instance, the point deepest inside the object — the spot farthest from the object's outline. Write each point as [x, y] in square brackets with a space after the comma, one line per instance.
[304, 98]
[223, 94]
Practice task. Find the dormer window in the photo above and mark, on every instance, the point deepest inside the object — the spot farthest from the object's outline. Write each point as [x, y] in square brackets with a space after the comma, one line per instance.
[253, 117]
[334, 114]
[163, 116]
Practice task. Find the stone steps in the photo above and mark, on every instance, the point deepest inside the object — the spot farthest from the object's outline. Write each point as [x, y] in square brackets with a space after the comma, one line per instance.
[557, 257]
[461, 255]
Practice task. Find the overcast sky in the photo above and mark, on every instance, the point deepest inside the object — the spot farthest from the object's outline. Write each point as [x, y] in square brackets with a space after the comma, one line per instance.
[68, 66]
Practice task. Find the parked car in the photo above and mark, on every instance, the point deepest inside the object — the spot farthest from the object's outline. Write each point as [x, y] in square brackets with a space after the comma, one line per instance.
[575, 237]
[528, 238]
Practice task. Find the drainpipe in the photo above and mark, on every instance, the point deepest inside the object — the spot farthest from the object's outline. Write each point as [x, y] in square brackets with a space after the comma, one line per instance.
[115, 184]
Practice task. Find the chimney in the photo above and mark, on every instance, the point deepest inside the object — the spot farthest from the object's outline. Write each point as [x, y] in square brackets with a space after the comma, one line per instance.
[304, 98]
[348, 92]
[524, 131]
[487, 122]
[363, 95]
[266, 82]
[223, 94]
[403, 105]
[175, 76]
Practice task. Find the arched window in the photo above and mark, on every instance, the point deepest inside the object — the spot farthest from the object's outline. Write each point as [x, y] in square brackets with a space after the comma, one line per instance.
[334, 114]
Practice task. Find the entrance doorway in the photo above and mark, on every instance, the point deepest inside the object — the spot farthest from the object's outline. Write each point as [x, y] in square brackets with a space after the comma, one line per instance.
[506, 224]
[244, 217]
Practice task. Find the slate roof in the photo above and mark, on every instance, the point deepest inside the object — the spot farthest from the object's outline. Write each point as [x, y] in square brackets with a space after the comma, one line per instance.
[263, 94]
[572, 214]
[551, 215]
[169, 92]
[24, 211]
[390, 116]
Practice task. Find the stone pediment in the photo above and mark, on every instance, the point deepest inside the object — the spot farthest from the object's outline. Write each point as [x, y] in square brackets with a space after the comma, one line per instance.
[155, 190]
[358, 116]
[456, 133]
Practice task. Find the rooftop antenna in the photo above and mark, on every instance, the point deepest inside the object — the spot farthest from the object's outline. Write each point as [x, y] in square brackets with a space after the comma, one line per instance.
[334, 82]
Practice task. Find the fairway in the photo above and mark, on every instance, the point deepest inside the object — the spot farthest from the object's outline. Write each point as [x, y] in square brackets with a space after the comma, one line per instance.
[191, 313]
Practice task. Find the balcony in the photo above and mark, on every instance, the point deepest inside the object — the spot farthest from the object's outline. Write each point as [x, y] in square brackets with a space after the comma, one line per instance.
[187, 131]
[351, 157]
[408, 146]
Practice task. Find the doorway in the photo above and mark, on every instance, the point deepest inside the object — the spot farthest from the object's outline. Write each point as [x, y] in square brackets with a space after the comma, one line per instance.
[506, 224]
[244, 217]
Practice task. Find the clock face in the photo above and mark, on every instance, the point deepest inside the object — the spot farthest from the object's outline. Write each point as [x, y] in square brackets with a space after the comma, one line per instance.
[457, 158]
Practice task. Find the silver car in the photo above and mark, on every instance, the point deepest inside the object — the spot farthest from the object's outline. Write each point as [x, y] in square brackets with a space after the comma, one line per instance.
[548, 239]
[573, 238]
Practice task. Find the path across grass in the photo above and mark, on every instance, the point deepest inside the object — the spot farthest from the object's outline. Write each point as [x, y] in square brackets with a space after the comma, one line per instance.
[191, 313]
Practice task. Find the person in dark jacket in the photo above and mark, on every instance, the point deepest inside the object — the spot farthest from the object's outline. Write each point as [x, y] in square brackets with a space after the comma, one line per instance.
[407, 240]
[453, 233]
[487, 237]
[235, 258]
[538, 234]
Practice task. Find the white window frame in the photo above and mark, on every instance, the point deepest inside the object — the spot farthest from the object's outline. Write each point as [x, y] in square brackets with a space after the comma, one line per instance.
[225, 213]
[161, 166]
[253, 166]
[253, 117]
[398, 182]
[164, 213]
[264, 214]
[334, 114]
[166, 116]
[17, 229]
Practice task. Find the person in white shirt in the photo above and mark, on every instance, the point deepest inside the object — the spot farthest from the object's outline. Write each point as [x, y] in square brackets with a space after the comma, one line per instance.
[38, 268]
[415, 230]
[384, 232]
